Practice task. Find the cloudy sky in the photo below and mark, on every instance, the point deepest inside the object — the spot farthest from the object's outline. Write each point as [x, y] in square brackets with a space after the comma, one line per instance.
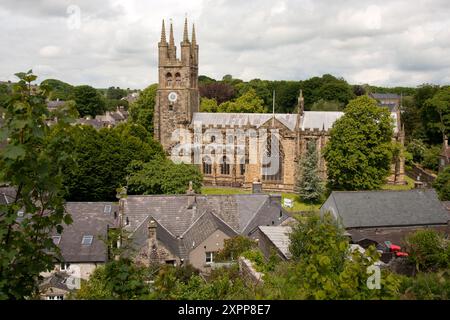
[114, 42]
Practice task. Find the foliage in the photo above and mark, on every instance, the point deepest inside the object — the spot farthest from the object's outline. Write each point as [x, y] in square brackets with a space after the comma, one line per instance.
[223, 284]
[426, 286]
[234, 247]
[118, 279]
[431, 158]
[115, 93]
[428, 250]
[325, 105]
[309, 184]
[162, 176]
[219, 91]
[31, 162]
[58, 89]
[417, 148]
[102, 158]
[89, 101]
[323, 267]
[437, 111]
[359, 151]
[248, 102]
[208, 105]
[142, 110]
[442, 184]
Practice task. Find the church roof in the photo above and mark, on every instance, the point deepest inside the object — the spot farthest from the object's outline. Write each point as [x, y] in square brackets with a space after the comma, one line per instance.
[319, 119]
[310, 119]
[243, 119]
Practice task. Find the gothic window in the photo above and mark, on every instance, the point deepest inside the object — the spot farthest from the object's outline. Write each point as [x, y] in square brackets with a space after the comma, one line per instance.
[224, 166]
[178, 79]
[207, 166]
[242, 167]
[169, 79]
[275, 164]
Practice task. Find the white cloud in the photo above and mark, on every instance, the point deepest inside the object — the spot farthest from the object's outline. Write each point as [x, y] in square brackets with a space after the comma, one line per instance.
[389, 43]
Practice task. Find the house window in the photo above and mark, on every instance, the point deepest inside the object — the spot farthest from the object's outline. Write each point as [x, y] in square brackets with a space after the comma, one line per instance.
[56, 239]
[64, 266]
[224, 166]
[87, 240]
[20, 213]
[207, 166]
[107, 208]
[209, 257]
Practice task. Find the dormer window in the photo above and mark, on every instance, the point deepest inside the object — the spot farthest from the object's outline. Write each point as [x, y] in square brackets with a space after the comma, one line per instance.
[87, 240]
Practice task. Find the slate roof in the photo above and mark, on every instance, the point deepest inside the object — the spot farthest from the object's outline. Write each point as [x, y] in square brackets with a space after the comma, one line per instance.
[382, 96]
[243, 119]
[7, 195]
[89, 218]
[181, 222]
[279, 236]
[361, 209]
[310, 119]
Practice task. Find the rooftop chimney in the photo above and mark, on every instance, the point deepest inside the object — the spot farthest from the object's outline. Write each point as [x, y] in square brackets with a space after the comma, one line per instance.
[191, 196]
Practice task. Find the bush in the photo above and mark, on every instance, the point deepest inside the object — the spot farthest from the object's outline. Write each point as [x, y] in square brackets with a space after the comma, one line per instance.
[442, 184]
[426, 286]
[431, 158]
[417, 148]
[428, 250]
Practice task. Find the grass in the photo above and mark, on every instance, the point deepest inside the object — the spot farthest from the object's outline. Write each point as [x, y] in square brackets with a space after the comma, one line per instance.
[408, 186]
[298, 204]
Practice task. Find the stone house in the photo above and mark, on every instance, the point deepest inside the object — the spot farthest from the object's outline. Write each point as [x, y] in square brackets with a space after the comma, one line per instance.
[389, 100]
[180, 229]
[83, 245]
[236, 149]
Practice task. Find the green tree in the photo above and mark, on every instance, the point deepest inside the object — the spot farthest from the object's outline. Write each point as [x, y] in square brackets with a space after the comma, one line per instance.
[142, 110]
[59, 89]
[324, 267]
[428, 250]
[162, 176]
[89, 101]
[359, 151]
[31, 163]
[115, 93]
[102, 158]
[234, 247]
[437, 111]
[208, 105]
[431, 158]
[442, 184]
[309, 184]
[247, 103]
[119, 279]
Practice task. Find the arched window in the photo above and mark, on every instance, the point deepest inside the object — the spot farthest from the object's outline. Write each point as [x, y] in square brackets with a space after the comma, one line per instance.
[207, 166]
[272, 170]
[225, 166]
[169, 79]
[178, 79]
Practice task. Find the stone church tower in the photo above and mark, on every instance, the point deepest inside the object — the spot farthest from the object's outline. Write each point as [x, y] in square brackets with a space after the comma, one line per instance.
[177, 96]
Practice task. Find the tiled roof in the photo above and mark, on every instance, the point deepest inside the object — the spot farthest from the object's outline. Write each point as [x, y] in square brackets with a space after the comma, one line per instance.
[186, 219]
[360, 209]
[89, 218]
[279, 236]
[382, 96]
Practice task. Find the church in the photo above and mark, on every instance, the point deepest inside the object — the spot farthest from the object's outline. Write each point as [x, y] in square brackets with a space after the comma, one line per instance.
[231, 149]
